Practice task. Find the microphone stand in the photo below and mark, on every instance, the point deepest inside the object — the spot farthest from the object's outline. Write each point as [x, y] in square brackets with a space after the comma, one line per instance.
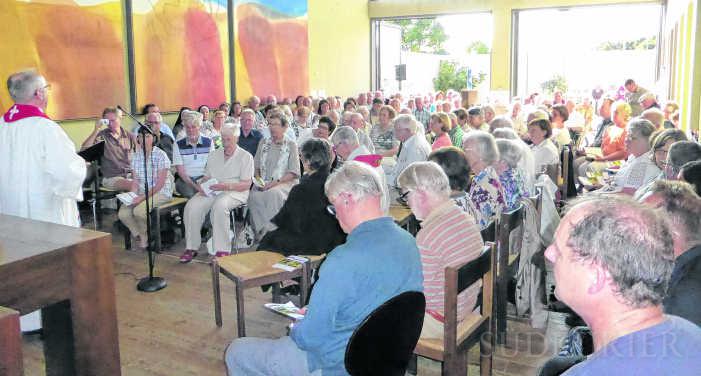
[150, 283]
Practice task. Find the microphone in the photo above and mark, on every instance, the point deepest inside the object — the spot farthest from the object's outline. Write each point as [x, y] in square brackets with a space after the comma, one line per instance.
[142, 126]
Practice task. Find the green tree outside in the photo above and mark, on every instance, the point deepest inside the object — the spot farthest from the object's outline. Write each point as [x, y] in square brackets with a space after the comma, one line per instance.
[422, 35]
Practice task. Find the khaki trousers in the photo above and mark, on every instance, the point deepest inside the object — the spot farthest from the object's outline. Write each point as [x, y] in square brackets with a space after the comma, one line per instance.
[196, 211]
[134, 217]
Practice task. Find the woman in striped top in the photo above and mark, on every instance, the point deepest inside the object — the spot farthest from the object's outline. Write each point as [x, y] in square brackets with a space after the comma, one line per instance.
[448, 236]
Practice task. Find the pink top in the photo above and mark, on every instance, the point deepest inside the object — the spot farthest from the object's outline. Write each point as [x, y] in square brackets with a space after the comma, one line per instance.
[441, 142]
[448, 236]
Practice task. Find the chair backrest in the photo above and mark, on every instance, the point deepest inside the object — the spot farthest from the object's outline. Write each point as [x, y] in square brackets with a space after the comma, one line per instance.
[489, 233]
[384, 342]
[565, 159]
[460, 277]
[508, 222]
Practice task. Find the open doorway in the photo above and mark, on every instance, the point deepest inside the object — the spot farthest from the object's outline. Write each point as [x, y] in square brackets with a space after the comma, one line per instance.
[422, 54]
[578, 49]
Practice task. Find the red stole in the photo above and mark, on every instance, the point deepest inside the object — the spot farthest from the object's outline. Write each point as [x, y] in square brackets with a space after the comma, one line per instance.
[23, 111]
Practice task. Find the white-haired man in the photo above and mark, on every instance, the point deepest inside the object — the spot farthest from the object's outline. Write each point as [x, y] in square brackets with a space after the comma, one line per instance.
[378, 256]
[414, 148]
[347, 146]
[190, 154]
[358, 123]
[612, 263]
[43, 175]
[232, 167]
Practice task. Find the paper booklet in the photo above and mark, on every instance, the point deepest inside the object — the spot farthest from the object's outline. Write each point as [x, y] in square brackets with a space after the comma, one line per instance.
[258, 181]
[288, 309]
[290, 263]
[593, 152]
[127, 198]
[206, 187]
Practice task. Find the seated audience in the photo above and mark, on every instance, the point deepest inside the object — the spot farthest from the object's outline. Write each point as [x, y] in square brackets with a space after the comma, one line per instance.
[691, 173]
[119, 144]
[440, 126]
[163, 140]
[613, 142]
[300, 125]
[640, 168]
[378, 257]
[681, 153]
[511, 176]
[670, 108]
[277, 168]
[303, 223]
[347, 146]
[476, 120]
[213, 129]
[178, 128]
[415, 148]
[160, 188]
[448, 236]
[232, 167]
[206, 122]
[454, 164]
[545, 153]
[358, 123]
[527, 162]
[455, 132]
[648, 101]
[558, 117]
[654, 116]
[422, 114]
[250, 137]
[190, 154]
[682, 208]
[605, 114]
[486, 192]
[633, 93]
[325, 128]
[382, 133]
[619, 292]
[661, 144]
[489, 114]
[162, 127]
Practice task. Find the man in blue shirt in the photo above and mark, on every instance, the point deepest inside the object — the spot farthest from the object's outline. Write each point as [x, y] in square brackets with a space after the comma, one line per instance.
[378, 261]
[250, 138]
[612, 262]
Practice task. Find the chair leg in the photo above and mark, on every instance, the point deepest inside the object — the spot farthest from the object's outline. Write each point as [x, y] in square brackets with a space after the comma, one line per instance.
[239, 309]
[502, 290]
[305, 283]
[217, 292]
[276, 292]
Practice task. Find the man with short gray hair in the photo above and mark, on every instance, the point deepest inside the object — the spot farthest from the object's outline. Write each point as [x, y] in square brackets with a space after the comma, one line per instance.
[378, 261]
[414, 148]
[612, 263]
[361, 128]
[190, 154]
[43, 175]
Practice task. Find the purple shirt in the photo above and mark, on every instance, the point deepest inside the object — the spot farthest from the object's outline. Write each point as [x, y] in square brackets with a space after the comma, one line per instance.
[672, 347]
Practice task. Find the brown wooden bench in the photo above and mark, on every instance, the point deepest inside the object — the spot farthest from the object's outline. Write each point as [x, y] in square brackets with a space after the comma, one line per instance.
[176, 204]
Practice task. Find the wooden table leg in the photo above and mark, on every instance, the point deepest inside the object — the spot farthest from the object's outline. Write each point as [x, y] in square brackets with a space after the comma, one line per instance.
[93, 309]
[240, 320]
[59, 348]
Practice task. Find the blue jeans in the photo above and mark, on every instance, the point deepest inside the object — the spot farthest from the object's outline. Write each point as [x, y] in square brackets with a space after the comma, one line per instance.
[266, 357]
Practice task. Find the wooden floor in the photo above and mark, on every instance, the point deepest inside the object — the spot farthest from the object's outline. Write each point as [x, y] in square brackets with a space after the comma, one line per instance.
[172, 332]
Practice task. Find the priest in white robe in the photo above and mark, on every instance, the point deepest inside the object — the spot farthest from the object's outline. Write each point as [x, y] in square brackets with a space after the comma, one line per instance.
[41, 176]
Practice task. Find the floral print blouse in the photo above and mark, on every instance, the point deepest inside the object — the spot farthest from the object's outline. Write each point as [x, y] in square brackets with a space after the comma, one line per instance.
[487, 196]
[514, 187]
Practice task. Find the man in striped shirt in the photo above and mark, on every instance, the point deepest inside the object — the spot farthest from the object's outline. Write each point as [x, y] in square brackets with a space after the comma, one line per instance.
[448, 236]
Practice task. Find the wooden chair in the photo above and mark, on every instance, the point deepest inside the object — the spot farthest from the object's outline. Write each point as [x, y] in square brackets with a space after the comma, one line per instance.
[254, 269]
[507, 262]
[383, 343]
[459, 337]
[176, 204]
[98, 194]
[10, 343]
[489, 234]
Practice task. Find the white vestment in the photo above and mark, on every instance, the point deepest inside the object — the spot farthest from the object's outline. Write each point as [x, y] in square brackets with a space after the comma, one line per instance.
[41, 177]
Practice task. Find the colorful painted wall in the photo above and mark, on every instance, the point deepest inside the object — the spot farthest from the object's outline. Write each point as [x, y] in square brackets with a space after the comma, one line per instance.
[79, 48]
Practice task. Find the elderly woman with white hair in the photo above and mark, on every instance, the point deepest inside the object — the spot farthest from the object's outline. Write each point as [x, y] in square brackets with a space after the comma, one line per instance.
[486, 191]
[232, 169]
[527, 162]
[277, 170]
[448, 236]
[511, 176]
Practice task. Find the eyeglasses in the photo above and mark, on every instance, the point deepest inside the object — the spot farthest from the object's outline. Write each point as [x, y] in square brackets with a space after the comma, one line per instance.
[331, 209]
